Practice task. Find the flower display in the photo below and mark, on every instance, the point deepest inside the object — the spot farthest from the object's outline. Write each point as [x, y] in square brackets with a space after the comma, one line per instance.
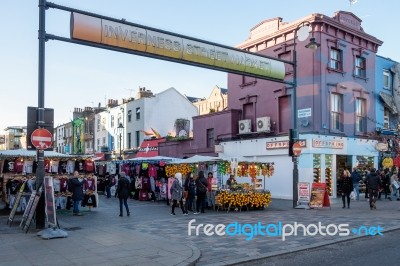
[240, 199]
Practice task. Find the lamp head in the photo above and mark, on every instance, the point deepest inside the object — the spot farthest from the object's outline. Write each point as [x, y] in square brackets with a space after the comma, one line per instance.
[313, 45]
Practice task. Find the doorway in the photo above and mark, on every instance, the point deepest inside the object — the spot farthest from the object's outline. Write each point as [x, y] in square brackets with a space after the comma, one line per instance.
[342, 162]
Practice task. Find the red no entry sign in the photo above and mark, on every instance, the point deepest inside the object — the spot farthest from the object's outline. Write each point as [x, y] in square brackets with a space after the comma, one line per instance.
[296, 149]
[41, 139]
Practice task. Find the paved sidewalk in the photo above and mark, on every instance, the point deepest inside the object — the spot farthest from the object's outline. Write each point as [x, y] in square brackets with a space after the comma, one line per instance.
[150, 236]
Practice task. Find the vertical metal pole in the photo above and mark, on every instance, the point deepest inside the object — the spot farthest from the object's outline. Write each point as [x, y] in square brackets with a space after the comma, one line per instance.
[40, 212]
[294, 124]
[120, 145]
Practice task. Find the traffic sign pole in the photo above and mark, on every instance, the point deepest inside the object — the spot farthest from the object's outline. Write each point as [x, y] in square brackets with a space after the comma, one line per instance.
[40, 211]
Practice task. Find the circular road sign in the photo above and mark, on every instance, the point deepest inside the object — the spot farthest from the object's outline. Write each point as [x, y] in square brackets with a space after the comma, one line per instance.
[41, 139]
[296, 148]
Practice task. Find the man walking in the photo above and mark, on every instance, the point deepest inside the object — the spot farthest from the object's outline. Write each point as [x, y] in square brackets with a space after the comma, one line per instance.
[76, 188]
[374, 184]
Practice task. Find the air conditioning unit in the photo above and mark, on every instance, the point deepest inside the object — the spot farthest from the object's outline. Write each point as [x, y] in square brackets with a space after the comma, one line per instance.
[244, 126]
[264, 124]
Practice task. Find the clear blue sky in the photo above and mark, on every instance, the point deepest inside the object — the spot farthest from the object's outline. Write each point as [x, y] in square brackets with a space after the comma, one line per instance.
[79, 76]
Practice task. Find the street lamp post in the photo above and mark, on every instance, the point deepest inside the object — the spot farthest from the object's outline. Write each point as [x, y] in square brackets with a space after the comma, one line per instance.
[302, 33]
[119, 130]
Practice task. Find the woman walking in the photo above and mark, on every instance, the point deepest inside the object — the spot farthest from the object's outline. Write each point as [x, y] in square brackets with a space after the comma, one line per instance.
[177, 194]
[346, 187]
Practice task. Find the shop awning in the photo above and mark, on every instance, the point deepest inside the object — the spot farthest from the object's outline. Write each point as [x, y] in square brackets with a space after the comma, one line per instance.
[149, 148]
[389, 102]
[31, 153]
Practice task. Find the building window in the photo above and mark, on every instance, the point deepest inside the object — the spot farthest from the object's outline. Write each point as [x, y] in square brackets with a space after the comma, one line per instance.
[104, 141]
[98, 125]
[138, 113]
[112, 121]
[210, 138]
[386, 118]
[386, 79]
[137, 135]
[129, 115]
[335, 60]
[360, 115]
[98, 144]
[359, 67]
[336, 112]
[129, 141]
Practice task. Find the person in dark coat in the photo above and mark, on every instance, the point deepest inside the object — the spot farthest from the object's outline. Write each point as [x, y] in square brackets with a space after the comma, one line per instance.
[374, 184]
[122, 192]
[201, 190]
[77, 192]
[190, 187]
[346, 187]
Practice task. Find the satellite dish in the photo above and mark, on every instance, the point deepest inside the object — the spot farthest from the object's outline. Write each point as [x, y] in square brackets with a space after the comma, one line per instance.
[182, 133]
[305, 123]
[303, 33]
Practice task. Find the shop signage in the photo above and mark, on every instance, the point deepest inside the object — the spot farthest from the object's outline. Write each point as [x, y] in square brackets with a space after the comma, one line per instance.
[381, 146]
[173, 47]
[387, 162]
[333, 144]
[284, 144]
[49, 199]
[304, 113]
[149, 148]
[303, 192]
[319, 196]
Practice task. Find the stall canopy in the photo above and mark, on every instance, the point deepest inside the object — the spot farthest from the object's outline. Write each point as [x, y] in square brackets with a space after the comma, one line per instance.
[155, 159]
[199, 159]
[29, 153]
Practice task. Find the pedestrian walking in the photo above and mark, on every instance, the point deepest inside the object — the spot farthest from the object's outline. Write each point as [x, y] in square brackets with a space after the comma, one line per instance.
[201, 190]
[346, 187]
[374, 184]
[122, 192]
[177, 194]
[394, 185]
[190, 188]
[355, 178]
[210, 191]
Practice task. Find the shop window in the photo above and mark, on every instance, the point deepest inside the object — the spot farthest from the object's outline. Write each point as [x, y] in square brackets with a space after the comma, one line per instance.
[360, 67]
[360, 116]
[328, 173]
[336, 59]
[336, 112]
[386, 80]
[316, 168]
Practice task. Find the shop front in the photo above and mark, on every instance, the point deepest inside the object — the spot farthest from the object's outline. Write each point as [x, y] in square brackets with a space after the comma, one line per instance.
[323, 159]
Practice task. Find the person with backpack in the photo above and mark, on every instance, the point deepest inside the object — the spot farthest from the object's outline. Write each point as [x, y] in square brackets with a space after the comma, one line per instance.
[122, 192]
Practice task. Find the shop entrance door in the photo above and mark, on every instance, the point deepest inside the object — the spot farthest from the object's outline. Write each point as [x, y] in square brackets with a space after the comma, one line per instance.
[342, 162]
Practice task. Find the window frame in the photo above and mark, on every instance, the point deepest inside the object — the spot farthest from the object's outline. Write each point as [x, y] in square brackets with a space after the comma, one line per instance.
[336, 110]
[386, 118]
[360, 115]
[210, 138]
[388, 86]
[337, 61]
[137, 113]
[360, 67]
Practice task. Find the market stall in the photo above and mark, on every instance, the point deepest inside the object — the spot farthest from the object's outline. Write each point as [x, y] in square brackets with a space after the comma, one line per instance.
[249, 190]
[18, 172]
